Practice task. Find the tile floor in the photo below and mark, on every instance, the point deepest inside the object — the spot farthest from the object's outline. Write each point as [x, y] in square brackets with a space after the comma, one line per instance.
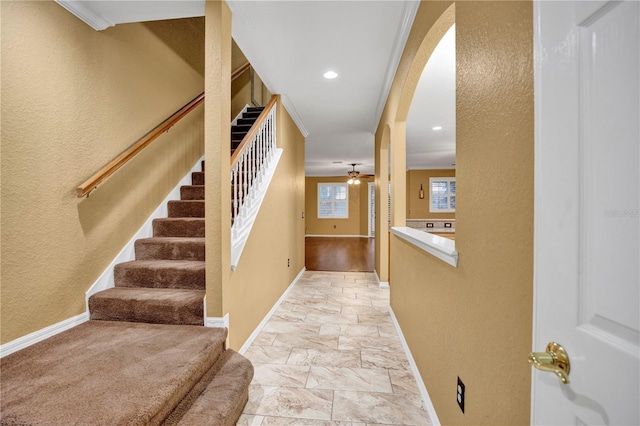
[330, 355]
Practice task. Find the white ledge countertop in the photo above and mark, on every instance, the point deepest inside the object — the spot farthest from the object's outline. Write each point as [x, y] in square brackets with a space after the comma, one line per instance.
[442, 248]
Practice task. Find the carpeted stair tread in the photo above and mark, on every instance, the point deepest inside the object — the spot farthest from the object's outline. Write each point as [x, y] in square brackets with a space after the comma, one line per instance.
[184, 274]
[219, 397]
[192, 192]
[170, 248]
[149, 305]
[179, 227]
[107, 373]
[186, 208]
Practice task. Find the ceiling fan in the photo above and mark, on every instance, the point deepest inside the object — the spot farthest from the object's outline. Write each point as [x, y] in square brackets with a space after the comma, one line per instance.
[354, 175]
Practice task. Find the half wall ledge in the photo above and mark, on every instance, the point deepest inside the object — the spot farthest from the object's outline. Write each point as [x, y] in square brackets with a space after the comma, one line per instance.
[440, 247]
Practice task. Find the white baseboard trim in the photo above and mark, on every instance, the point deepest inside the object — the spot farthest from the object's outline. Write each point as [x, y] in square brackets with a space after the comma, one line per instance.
[340, 236]
[382, 284]
[426, 400]
[267, 317]
[40, 335]
[215, 322]
[106, 280]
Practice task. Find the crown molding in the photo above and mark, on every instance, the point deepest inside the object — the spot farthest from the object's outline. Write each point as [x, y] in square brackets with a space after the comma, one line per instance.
[408, 15]
[288, 105]
[83, 11]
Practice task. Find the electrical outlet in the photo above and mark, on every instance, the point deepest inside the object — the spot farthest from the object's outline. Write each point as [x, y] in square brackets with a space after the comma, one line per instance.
[288, 263]
[460, 397]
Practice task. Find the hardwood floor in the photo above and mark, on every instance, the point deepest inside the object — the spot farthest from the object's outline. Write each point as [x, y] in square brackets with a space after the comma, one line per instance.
[344, 254]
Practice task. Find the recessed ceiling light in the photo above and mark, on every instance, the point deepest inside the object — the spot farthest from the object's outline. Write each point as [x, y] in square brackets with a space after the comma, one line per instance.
[437, 128]
[330, 75]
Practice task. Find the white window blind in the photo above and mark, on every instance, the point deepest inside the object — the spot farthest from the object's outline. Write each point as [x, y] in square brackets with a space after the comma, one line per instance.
[389, 206]
[372, 210]
[333, 201]
[442, 195]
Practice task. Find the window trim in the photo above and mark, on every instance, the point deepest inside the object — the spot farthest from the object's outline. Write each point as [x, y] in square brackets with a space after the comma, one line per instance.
[333, 200]
[448, 179]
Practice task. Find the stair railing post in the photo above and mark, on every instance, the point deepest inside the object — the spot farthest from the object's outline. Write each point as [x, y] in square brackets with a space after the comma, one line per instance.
[260, 159]
[246, 178]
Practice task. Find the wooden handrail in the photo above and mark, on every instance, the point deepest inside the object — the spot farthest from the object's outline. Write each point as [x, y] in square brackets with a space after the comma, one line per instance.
[102, 174]
[254, 129]
[241, 69]
[99, 177]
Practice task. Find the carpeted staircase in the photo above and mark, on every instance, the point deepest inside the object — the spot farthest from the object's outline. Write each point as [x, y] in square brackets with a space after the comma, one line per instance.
[144, 358]
[238, 132]
[166, 282]
[243, 125]
[123, 373]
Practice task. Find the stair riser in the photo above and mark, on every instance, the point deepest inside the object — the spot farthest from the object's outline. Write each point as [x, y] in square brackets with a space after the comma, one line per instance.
[175, 227]
[228, 380]
[186, 208]
[192, 192]
[241, 128]
[197, 178]
[182, 278]
[148, 249]
[155, 312]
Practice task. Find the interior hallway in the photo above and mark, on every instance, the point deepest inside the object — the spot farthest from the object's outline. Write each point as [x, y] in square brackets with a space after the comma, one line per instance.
[330, 355]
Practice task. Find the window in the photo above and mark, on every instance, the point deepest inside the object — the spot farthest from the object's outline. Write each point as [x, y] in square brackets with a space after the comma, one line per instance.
[442, 195]
[333, 201]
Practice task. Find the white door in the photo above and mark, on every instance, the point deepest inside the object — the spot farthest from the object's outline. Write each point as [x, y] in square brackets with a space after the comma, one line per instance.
[587, 186]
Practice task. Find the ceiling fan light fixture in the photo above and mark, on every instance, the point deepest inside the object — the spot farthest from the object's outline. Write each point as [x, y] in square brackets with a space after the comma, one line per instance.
[354, 175]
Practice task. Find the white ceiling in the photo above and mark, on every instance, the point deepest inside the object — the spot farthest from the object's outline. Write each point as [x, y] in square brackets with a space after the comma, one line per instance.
[291, 44]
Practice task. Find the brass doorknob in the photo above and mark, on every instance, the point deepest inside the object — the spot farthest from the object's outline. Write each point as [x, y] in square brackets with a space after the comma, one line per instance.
[555, 360]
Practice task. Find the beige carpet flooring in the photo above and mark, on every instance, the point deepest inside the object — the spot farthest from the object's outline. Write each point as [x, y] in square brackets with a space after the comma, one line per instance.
[106, 373]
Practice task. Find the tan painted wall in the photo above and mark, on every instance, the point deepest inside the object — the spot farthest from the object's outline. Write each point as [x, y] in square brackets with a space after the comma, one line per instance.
[241, 87]
[475, 321]
[217, 153]
[356, 224]
[263, 273]
[419, 208]
[72, 99]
